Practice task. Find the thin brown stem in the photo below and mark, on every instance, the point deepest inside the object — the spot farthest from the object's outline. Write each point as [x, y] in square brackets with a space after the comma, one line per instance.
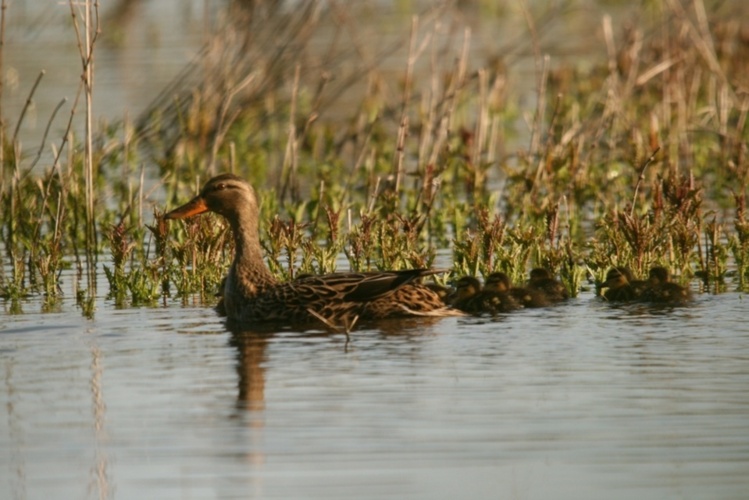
[46, 133]
[3, 8]
[26, 106]
[641, 177]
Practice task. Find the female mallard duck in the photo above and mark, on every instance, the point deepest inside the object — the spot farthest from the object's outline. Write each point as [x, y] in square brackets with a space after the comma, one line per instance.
[663, 290]
[542, 280]
[471, 298]
[253, 295]
[621, 286]
[523, 296]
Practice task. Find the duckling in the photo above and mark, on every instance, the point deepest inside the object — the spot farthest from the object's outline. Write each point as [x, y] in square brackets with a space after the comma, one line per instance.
[471, 298]
[543, 281]
[465, 296]
[498, 294]
[622, 287]
[523, 296]
[663, 290]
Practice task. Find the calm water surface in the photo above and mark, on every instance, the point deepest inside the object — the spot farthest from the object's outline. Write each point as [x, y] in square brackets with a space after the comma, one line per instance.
[584, 400]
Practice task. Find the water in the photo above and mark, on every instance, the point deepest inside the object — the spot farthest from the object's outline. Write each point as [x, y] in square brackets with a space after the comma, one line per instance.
[584, 400]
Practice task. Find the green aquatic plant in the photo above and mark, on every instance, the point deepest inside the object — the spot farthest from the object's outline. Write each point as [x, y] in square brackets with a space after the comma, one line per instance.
[13, 287]
[202, 249]
[282, 245]
[121, 248]
[160, 234]
[716, 251]
[134, 278]
[359, 248]
[738, 243]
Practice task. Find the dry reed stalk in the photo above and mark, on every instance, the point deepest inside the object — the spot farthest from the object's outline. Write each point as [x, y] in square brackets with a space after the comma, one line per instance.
[495, 127]
[641, 177]
[356, 167]
[400, 152]
[268, 44]
[46, 134]
[291, 152]
[86, 44]
[413, 55]
[541, 63]
[449, 100]
[608, 36]
[538, 120]
[479, 134]
[429, 103]
[26, 105]
[3, 8]
[701, 36]
[223, 123]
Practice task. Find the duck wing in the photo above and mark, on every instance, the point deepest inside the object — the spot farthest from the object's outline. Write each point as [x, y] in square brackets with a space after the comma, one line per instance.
[360, 287]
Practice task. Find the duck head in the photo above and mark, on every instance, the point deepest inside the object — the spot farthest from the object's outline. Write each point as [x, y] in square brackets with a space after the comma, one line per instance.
[227, 195]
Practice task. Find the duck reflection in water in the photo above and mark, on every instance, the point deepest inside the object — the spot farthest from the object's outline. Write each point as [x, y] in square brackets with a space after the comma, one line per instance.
[251, 358]
[252, 348]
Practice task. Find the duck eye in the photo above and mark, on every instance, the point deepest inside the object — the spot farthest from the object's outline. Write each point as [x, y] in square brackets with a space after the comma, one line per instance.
[219, 187]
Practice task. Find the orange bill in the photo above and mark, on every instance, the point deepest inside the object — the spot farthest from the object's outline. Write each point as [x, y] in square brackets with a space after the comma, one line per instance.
[195, 206]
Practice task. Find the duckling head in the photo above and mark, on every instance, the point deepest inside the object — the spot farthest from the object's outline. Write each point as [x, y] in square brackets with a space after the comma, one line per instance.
[465, 288]
[658, 275]
[497, 282]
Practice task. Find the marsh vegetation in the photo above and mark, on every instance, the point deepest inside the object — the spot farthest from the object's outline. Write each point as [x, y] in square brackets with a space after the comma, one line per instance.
[635, 156]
